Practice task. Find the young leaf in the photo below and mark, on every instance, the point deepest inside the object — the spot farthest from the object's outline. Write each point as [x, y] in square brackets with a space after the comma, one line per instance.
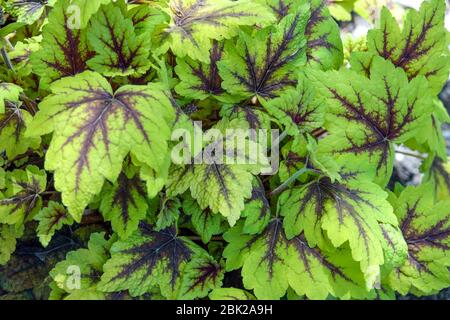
[124, 203]
[64, 49]
[194, 22]
[261, 64]
[299, 110]
[366, 116]
[119, 51]
[51, 219]
[22, 198]
[420, 48]
[426, 228]
[96, 128]
[150, 258]
[169, 214]
[348, 211]
[271, 264]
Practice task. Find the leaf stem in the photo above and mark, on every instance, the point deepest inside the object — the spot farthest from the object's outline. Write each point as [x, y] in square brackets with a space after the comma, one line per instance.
[6, 58]
[410, 154]
[290, 180]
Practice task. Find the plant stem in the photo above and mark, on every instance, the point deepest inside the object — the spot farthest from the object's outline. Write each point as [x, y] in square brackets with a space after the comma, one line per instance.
[6, 58]
[409, 154]
[289, 181]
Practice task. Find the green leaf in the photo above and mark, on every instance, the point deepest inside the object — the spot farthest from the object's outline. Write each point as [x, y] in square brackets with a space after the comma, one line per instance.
[95, 129]
[205, 222]
[8, 237]
[348, 211]
[8, 92]
[230, 294]
[194, 22]
[200, 80]
[124, 203]
[299, 110]
[87, 8]
[119, 50]
[426, 228]
[152, 258]
[366, 116]
[439, 176]
[420, 47]
[22, 198]
[261, 64]
[341, 9]
[51, 219]
[82, 268]
[28, 11]
[169, 214]
[271, 264]
[257, 210]
[64, 50]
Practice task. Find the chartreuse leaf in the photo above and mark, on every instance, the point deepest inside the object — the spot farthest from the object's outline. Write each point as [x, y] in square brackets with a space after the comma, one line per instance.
[194, 22]
[200, 80]
[51, 219]
[350, 210]
[95, 128]
[324, 45]
[8, 92]
[426, 228]
[420, 47]
[366, 116]
[394, 247]
[86, 9]
[8, 240]
[438, 174]
[341, 9]
[161, 259]
[28, 11]
[257, 209]
[124, 203]
[371, 9]
[119, 50]
[261, 64]
[145, 18]
[230, 294]
[64, 49]
[205, 222]
[79, 273]
[271, 264]
[22, 198]
[299, 110]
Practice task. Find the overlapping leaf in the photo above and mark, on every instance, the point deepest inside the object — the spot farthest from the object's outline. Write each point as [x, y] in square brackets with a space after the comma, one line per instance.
[366, 116]
[271, 264]
[51, 219]
[348, 211]
[262, 63]
[426, 228]
[96, 128]
[124, 203]
[64, 50]
[28, 11]
[161, 259]
[119, 50]
[194, 22]
[8, 92]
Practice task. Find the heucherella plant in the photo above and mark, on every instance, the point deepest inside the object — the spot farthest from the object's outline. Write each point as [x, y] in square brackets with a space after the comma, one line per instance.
[193, 149]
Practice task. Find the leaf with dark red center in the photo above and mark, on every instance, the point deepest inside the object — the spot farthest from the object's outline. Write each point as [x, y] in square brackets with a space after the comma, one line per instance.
[420, 47]
[22, 198]
[119, 50]
[348, 211]
[193, 23]
[365, 117]
[64, 50]
[299, 110]
[8, 92]
[426, 228]
[246, 116]
[200, 80]
[149, 259]
[95, 128]
[124, 203]
[324, 45]
[200, 276]
[261, 64]
[257, 210]
[28, 11]
[51, 219]
[271, 264]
